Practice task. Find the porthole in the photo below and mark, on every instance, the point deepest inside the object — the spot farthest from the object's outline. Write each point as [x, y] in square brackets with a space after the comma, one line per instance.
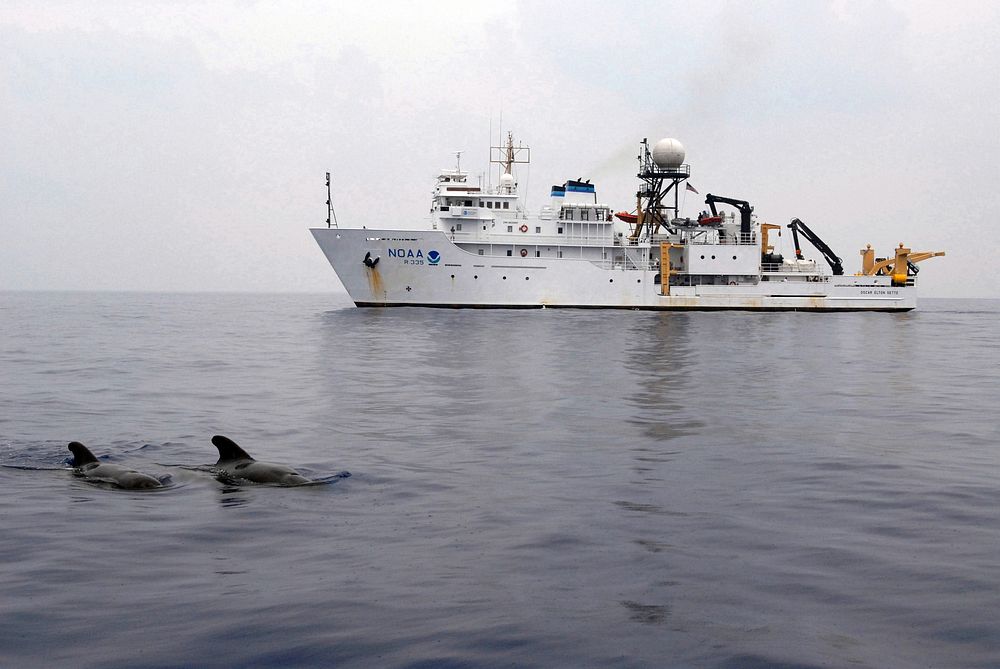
[703, 257]
[505, 278]
[526, 278]
[453, 276]
[734, 257]
[713, 257]
[475, 276]
[611, 280]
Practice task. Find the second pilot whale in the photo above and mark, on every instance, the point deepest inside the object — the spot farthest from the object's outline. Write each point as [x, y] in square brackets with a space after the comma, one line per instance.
[235, 462]
[89, 467]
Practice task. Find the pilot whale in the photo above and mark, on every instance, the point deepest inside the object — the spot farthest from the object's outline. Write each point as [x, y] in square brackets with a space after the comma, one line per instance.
[91, 468]
[234, 461]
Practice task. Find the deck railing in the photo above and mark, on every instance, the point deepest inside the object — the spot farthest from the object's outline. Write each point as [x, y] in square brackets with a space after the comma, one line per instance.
[529, 238]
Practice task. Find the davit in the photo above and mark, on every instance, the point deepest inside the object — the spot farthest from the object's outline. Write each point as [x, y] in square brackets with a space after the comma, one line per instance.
[234, 461]
[91, 468]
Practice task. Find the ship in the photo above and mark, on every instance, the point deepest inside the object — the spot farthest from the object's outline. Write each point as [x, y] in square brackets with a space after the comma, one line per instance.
[480, 247]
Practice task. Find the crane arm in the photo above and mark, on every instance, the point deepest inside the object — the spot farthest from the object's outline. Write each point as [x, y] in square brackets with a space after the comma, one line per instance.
[924, 255]
[765, 229]
[797, 226]
[886, 266]
[742, 205]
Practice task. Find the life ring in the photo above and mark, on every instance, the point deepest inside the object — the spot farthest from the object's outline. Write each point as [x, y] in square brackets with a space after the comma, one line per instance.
[523, 228]
[524, 253]
[732, 283]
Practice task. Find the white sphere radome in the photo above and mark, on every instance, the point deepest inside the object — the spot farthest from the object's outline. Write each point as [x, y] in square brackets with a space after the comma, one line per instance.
[668, 152]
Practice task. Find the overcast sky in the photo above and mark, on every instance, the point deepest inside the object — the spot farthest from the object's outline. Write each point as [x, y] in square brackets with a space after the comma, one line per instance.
[182, 146]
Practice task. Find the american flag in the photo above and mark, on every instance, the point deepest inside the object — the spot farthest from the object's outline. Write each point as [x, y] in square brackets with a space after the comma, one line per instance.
[691, 188]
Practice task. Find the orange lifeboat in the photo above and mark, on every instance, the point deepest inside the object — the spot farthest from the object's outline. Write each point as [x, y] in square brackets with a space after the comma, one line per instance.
[710, 220]
[627, 217]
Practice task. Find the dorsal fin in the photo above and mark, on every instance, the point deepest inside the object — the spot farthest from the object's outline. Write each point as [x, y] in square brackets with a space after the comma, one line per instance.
[229, 450]
[81, 454]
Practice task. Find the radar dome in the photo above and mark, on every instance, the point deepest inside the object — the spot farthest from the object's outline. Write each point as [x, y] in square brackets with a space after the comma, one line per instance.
[668, 153]
[506, 183]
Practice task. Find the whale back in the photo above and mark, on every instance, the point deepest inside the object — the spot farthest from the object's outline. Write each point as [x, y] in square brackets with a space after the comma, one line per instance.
[229, 450]
[81, 454]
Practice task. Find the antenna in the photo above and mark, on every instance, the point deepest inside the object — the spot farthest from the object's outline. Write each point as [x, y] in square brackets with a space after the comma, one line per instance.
[507, 155]
[458, 161]
[329, 205]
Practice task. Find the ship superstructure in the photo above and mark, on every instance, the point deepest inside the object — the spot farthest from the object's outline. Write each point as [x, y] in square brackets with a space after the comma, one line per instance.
[479, 247]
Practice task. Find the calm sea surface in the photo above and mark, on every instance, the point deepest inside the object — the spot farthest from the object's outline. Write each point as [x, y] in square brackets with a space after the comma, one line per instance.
[529, 488]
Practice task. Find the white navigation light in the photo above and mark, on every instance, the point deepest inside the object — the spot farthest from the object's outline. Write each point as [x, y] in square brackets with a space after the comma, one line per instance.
[668, 153]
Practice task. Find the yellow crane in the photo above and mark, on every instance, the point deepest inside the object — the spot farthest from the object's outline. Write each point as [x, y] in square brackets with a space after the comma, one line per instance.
[898, 266]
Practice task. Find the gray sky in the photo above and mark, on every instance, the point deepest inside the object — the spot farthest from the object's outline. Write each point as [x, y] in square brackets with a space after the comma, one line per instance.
[175, 146]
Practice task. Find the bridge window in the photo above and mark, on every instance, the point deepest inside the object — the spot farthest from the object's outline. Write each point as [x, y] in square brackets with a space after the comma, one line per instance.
[584, 214]
[468, 203]
[538, 230]
[559, 230]
[489, 205]
[506, 205]
[600, 214]
[510, 252]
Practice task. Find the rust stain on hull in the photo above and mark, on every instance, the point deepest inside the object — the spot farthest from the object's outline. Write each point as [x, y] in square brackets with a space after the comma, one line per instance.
[375, 283]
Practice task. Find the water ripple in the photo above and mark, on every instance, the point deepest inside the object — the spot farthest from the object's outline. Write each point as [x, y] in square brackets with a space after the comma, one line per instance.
[554, 488]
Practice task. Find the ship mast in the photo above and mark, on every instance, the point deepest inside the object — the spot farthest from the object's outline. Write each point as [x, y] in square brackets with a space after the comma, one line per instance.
[508, 155]
[661, 170]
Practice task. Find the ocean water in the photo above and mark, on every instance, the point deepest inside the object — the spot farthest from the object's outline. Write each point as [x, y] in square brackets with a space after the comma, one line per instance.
[529, 488]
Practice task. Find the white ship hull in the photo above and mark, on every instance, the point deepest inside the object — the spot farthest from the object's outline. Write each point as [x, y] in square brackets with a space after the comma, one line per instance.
[426, 268]
[480, 247]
